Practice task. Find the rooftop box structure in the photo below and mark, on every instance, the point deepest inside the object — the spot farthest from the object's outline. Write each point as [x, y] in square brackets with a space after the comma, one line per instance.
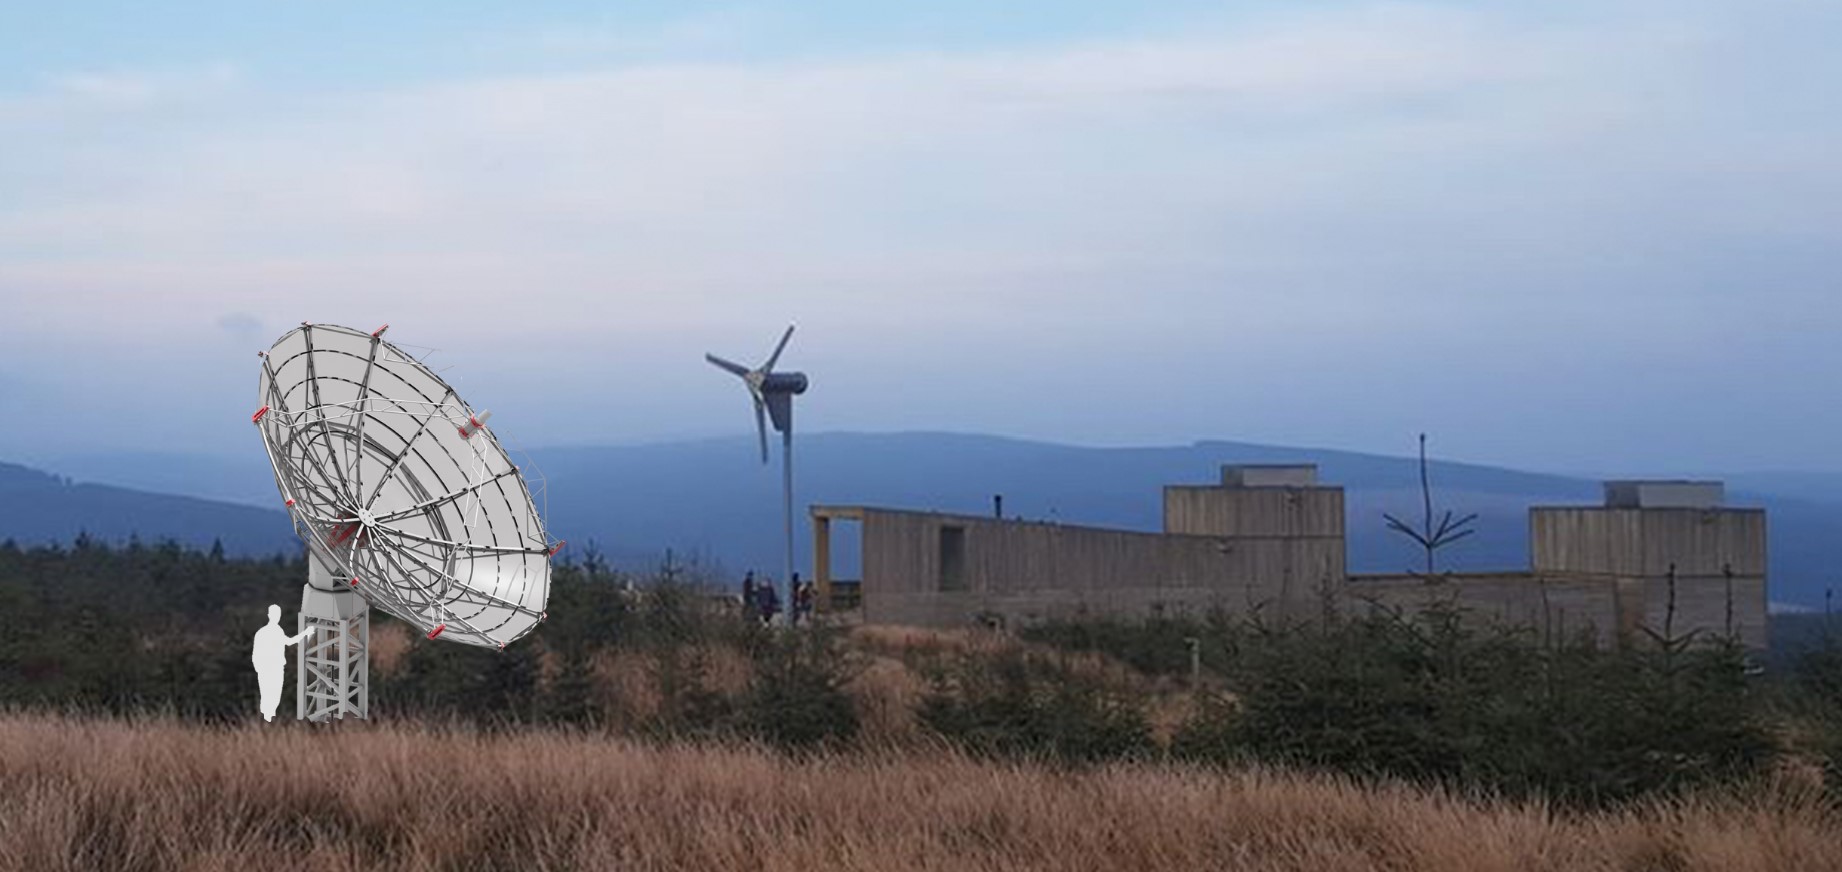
[1639, 494]
[1270, 475]
[1279, 501]
[1679, 558]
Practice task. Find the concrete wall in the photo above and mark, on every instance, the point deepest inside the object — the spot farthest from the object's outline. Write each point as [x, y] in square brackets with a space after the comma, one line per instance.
[1702, 608]
[1644, 542]
[1032, 571]
[1552, 607]
[1293, 512]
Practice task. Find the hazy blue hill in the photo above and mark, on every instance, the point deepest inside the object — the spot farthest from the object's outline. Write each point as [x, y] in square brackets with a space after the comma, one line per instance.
[1816, 487]
[37, 507]
[713, 498]
[243, 477]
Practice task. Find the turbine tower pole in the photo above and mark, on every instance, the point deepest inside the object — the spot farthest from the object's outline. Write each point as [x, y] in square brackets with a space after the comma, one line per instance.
[786, 467]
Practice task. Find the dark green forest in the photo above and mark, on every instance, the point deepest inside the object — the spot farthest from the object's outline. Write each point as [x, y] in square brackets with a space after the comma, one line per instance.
[158, 628]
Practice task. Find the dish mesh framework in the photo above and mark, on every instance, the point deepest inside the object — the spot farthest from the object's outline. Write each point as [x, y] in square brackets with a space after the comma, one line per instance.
[397, 485]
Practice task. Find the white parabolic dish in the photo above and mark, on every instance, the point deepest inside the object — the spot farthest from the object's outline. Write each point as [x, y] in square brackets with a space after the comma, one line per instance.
[399, 487]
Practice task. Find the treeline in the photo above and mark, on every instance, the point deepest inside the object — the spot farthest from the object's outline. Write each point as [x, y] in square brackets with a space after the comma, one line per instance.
[1438, 700]
[1431, 698]
[91, 627]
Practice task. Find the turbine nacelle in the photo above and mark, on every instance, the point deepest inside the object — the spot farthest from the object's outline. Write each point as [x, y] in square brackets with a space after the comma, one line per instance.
[784, 383]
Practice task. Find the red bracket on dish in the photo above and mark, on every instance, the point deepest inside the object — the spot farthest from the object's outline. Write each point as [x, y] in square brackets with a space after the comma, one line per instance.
[345, 532]
[474, 424]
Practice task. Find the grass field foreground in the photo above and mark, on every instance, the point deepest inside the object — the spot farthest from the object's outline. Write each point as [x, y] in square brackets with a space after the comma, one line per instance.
[78, 794]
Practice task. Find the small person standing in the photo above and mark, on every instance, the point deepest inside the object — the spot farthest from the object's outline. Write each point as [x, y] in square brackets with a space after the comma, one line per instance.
[748, 594]
[770, 603]
[802, 600]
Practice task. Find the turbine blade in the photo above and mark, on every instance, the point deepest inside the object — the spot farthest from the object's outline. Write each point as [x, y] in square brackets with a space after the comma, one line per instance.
[730, 365]
[780, 411]
[761, 428]
[775, 358]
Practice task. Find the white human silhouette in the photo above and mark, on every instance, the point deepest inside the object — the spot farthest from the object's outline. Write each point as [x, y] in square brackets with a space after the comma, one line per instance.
[271, 657]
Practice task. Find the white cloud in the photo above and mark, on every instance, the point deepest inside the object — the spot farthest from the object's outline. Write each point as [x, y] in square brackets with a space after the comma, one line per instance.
[1058, 160]
[142, 88]
[1352, 179]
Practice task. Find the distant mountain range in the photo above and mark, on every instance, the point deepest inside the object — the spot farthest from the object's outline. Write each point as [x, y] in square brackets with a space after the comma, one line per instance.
[37, 507]
[714, 501]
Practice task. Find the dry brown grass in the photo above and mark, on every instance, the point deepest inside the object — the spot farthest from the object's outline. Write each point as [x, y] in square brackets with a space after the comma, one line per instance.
[886, 678]
[110, 795]
[886, 694]
[627, 684]
[888, 690]
[913, 645]
[389, 645]
[908, 642]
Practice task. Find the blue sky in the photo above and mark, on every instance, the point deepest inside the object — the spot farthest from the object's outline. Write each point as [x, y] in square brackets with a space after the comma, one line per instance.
[1594, 237]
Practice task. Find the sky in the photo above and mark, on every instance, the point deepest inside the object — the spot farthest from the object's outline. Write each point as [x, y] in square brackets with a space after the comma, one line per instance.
[1582, 237]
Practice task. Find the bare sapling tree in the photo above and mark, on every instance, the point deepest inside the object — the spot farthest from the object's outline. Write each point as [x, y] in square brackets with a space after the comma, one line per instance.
[1667, 641]
[1431, 537]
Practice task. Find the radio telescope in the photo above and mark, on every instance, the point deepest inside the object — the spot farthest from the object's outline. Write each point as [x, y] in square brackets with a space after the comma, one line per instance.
[406, 501]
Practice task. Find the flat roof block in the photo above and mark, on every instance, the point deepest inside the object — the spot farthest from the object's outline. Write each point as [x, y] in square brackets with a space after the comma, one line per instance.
[1270, 475]
[1660, 494]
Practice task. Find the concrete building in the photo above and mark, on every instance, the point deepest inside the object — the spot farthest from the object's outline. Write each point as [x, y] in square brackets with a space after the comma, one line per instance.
[1650, 533]
[1267, 537]
[1272, 539]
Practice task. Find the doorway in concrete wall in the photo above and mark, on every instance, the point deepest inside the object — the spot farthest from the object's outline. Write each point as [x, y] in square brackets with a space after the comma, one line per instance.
[837, 544]
[952, 558]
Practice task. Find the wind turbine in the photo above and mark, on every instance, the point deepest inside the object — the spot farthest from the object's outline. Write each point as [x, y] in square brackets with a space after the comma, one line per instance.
[773, 395]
